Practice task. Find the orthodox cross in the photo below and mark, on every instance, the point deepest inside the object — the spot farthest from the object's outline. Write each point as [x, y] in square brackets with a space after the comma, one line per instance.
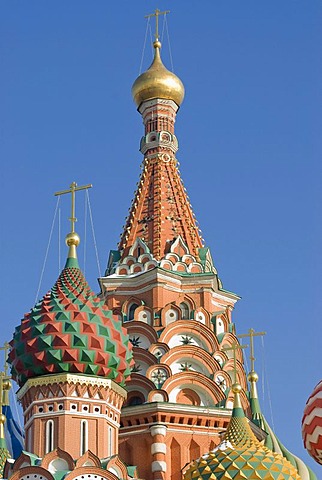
[234, 348]
[5, 347]
[4, 378]
[251, 334]
[1, 390]
[72, 189]
[156, 15]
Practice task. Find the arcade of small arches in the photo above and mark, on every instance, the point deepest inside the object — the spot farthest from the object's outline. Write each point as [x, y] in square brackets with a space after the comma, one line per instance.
[134, 309]
[179, 259]
[87, 467]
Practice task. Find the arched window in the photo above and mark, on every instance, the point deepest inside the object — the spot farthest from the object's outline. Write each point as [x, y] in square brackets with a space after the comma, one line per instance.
[220, 326]
[184, 311]
[84, 437]
[49, 436]
[132, 309]
[136, 400]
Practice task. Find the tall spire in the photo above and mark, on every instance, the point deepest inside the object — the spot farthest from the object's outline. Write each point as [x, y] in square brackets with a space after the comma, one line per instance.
[161, 211]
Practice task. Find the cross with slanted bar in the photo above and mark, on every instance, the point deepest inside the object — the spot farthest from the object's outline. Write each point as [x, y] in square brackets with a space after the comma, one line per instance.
[5, 384]
[5, 347]
[251, 334]
[156, 15]
[73, 188]
[234, 348]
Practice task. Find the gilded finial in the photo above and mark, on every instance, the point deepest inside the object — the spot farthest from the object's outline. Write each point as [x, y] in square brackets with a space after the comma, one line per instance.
[234, 348]
[5, 386]
[2, 416]
[72, 238]
[236, 387]
[157, 81]
[5, 383]
[156, 15]
[252, 376]
[251, 334]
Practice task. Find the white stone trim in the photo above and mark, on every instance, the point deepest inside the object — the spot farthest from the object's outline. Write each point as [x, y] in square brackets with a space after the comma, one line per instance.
[158, 430]
[70, 378]
[158, 466]
[158, 447]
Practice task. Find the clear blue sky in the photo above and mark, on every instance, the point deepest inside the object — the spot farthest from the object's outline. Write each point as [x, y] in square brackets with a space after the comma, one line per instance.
[249, 133]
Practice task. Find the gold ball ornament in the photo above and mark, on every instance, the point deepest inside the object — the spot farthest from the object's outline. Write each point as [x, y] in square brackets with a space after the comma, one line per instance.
[72, 239]
[236, 388]
[6, 385]
[252, 377]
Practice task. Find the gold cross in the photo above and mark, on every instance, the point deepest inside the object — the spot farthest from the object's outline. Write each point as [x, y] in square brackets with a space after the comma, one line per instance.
[251, 334]
[156, 15]
[234, 347]
[1, 390]
[5, 347]
[5, 384]
[73, 188]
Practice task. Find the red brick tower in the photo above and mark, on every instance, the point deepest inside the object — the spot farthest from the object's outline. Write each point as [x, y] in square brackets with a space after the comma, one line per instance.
[164, 286]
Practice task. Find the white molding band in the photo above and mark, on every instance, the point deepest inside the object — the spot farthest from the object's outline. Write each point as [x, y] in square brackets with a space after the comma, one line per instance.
[158, 448]
[159, 466]
[158, 430]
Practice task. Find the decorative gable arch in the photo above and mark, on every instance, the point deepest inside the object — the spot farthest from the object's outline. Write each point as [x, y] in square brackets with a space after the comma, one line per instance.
[90, 473]
[208, 391]
[138, 248]
[169, 314]
[179, 247]
[62, 459]
[88, 459]
[34, 472]
[22, 461]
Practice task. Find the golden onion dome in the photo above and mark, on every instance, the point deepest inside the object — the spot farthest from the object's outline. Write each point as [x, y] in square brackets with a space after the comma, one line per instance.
[157, 82]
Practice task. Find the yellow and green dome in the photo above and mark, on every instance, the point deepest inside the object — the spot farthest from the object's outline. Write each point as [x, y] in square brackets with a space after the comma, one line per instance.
[240, 455]
[157, 82]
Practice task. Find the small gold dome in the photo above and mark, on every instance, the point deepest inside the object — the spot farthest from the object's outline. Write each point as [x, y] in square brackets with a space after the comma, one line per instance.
[252, 376]
[72, 239]
[236, 388]
[157, 82]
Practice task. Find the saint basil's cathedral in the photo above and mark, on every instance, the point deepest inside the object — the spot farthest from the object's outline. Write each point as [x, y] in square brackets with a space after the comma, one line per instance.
[146, 379]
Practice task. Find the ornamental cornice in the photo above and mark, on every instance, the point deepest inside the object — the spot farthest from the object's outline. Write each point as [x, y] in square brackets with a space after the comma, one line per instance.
[157, 101]
[70, 379]
[169, 407]
[147, 144]
[145, 281]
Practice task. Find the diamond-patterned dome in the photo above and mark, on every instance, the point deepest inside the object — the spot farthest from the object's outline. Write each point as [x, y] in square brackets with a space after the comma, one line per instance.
[241, 456]
[70, 331]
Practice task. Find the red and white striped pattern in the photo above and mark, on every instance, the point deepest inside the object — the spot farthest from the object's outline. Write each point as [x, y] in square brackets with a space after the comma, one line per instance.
[312, 424]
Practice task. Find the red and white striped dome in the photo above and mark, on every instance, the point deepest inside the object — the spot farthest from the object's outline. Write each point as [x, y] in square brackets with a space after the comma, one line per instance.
[312, 424]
